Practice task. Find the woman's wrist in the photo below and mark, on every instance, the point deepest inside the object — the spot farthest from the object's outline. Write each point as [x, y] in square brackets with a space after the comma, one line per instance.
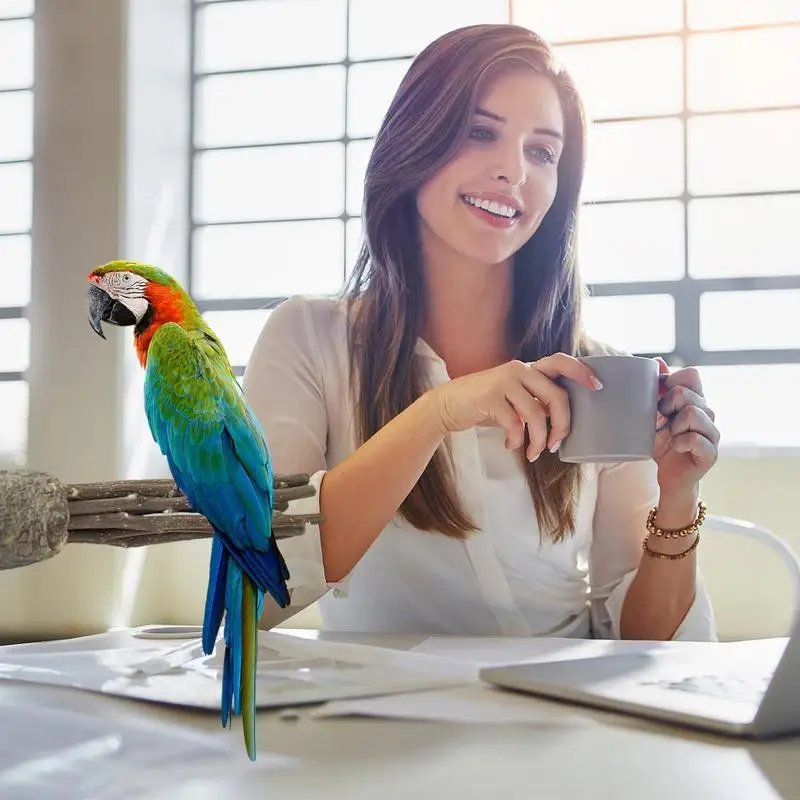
[677, 509]
[430, 411]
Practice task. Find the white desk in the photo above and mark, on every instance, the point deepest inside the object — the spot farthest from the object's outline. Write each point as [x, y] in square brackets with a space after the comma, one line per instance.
[591, 755]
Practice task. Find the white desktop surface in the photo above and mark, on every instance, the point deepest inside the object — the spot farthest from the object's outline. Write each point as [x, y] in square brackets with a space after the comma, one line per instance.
[567, 752]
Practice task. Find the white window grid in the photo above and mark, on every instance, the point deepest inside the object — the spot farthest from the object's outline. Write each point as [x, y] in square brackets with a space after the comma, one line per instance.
[684, 296]
[16, 183]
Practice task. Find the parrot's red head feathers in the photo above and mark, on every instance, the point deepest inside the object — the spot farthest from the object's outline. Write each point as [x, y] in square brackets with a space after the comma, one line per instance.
[142, 295]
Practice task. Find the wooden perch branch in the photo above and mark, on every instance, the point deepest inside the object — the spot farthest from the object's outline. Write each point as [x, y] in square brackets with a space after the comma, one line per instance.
[138, 513]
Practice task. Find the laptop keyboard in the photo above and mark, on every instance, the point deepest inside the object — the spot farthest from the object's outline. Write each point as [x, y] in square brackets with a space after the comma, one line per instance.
[743, 688]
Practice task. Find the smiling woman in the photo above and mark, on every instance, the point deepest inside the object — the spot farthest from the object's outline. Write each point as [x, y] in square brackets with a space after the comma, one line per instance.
[426, 403]
[519, 140]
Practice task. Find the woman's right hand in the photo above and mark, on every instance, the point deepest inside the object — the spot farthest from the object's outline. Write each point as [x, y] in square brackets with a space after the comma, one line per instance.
[513, 395]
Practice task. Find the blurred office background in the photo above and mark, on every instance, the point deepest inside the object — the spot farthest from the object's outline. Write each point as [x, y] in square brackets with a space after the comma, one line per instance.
[227, 142]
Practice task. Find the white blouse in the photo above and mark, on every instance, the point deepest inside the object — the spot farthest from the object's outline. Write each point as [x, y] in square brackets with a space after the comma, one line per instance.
[503, 579]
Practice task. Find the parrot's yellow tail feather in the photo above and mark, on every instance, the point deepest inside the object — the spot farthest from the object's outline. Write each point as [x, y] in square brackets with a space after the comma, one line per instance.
[249, 664]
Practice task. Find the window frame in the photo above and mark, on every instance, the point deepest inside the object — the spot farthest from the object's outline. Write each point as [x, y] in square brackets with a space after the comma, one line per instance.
[16, 312]
[686, 291]
[272, 301]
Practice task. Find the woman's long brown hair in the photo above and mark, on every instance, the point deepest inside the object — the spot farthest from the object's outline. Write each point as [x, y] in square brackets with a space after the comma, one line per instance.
[424, 127]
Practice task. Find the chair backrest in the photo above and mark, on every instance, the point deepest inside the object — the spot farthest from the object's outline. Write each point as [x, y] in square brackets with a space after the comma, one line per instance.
[754, 594]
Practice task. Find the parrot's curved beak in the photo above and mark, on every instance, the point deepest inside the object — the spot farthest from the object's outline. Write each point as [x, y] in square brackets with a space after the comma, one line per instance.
[102, 308]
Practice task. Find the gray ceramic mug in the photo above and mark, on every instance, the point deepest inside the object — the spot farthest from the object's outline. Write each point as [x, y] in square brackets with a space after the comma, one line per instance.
[618, 422]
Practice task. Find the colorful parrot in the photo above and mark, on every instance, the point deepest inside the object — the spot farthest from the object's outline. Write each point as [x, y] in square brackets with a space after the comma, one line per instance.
[216, 452]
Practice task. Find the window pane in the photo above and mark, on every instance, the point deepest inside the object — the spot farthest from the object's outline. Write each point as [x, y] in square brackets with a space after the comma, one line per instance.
[14, 430]
[714, 14]
[295, 181]
[354, 242]
[15, 8]
[758, 320]
[610, 88]
[742, 236]
[14, 345]
[562, 20]
[744, 152]
[274, 259]
[238, 331]
[385, 28]
[15, 197]
[631, 242]
[370, 89]
[252, 108]
[16, 54]
[357, 159]
[16, 130]
[15, 270]
[268, 33]
[721, 78]
[635, 323]
[738, 395]
[634, 159]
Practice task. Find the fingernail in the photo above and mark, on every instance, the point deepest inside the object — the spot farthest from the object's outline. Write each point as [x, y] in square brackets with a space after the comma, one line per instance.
[555, 446]
[532, 459]
[595, 382]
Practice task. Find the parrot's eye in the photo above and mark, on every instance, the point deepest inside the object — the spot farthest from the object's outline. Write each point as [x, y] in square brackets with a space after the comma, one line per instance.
[126, 277]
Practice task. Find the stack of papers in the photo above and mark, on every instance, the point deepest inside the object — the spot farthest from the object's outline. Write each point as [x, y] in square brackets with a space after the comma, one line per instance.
[480, 703]
[435, 680]
[291, 671]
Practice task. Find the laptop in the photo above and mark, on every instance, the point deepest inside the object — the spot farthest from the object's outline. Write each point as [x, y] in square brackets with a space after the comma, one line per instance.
[748, 689]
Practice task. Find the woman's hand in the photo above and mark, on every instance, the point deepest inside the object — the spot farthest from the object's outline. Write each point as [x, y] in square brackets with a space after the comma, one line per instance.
[686, 446]
[513, 395]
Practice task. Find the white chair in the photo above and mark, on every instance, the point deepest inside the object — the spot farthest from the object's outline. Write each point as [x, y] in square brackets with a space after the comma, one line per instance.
[739, 615]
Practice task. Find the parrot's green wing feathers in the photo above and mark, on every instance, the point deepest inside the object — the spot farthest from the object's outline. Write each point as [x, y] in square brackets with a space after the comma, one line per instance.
[201, 422]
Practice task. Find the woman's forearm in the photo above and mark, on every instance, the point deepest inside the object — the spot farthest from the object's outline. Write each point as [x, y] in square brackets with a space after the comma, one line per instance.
[359, 496]
[664, 589]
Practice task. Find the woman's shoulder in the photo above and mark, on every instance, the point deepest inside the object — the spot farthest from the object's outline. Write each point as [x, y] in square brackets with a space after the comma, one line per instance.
[304, 315]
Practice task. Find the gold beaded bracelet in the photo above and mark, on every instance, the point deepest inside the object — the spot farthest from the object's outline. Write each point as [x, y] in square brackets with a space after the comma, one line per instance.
[670, 556]
[680, 533]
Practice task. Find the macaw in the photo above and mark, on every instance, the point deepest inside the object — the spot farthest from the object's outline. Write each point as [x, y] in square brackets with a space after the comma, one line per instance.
[215, 448]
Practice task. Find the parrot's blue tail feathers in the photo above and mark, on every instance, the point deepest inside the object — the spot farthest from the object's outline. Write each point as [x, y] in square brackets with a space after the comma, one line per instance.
[240, 662]
[233, 632]
[266, 568]
[227, 688]
[215, 595]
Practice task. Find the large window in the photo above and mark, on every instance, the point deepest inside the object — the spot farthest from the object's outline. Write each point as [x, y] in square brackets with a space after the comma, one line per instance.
[288, 95]
[689, 236]
[16, 183]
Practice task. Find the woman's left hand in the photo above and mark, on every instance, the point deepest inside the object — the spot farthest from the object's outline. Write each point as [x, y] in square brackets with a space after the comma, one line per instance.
[686, 446]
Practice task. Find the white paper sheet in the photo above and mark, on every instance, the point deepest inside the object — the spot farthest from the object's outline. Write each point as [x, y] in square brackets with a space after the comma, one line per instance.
[492, 651]
[474, 703]
[478, 703]
[291, 671]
